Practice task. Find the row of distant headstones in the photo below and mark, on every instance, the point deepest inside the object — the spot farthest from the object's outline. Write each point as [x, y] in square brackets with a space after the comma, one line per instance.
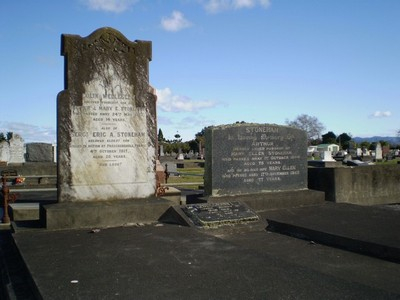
[15, 151]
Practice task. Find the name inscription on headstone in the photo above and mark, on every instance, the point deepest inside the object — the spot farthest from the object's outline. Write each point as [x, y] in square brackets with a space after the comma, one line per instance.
[107, 137]
[106, 119]
[254, 158]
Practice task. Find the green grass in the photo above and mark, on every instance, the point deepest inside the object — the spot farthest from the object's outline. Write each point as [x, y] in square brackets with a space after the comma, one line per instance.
[187, 177]
[389, 162]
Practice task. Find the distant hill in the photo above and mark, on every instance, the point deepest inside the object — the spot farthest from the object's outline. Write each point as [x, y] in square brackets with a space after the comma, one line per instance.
[390, 139]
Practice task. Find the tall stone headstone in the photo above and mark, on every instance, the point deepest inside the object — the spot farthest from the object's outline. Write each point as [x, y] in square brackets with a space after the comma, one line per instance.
[162, 150]
[4, 151]
[106, 119]
[378, 152]
[17, 149]
[254, 158]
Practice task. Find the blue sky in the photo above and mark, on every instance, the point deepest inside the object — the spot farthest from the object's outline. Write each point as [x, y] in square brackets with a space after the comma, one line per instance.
[217, 61]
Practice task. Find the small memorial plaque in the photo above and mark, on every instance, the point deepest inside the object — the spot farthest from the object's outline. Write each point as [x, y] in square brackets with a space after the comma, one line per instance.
[218, 214]
[254, 158]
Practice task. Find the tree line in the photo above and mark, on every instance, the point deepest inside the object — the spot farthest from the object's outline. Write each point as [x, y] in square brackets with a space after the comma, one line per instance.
[311, 125]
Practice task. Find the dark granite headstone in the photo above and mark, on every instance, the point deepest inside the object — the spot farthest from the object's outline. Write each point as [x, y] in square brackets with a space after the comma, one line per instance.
[254, 158]
[106, 119]
[39, 152]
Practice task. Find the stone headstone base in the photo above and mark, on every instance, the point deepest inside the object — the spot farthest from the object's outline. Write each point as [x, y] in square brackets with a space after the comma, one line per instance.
[173, 194]
[102, 214]
[275, 200]
[24, 211]
[324, 164]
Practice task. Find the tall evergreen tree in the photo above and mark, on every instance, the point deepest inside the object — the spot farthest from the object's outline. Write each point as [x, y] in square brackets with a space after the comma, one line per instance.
[160, 136]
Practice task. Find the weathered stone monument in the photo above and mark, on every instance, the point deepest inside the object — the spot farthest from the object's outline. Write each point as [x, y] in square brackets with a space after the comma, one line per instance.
[264, 165]
[4, 152]
[17, 149]
[249, 168]
[327, 156]
[12, 151]
[106, 127]
[378, 152]
[39, 152]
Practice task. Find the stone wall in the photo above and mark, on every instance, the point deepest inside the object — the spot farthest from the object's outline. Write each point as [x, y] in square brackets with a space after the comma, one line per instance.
[366, 185]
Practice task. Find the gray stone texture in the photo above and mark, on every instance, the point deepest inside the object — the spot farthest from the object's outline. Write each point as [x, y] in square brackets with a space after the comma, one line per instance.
[17, 149]
[13, 150]
[4, 151]
[178, 262]
[39, 152]
[106, 119]
[254, 158]
[366, 185]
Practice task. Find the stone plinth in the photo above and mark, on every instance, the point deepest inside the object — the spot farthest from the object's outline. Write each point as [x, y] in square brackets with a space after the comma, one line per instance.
[102, 214]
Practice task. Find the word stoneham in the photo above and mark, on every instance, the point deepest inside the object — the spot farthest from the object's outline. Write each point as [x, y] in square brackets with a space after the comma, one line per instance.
[106, 119]
[250, 158]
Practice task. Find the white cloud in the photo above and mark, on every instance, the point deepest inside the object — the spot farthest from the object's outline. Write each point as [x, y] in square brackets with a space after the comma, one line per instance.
[215, 6]
[169, 102]
[199, 122]
[164, 121]
[175, 22]
[116, 6]
[30, 133]
[381, 114]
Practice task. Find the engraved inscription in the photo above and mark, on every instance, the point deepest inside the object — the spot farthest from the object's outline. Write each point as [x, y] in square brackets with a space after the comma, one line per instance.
[257, 157]
[264, 159]
[109, 134]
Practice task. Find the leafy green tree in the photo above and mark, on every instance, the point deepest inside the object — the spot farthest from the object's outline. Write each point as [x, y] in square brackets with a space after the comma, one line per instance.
[384, 143]
[193, 145]
[185, 147]
[372, 146]
[200, 136]
[344, 141]
[365, 144]
[168, 147]
[329, 138]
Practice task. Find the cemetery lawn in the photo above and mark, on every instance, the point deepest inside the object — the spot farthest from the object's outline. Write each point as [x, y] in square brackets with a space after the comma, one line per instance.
[188, 175]
[389, 162]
